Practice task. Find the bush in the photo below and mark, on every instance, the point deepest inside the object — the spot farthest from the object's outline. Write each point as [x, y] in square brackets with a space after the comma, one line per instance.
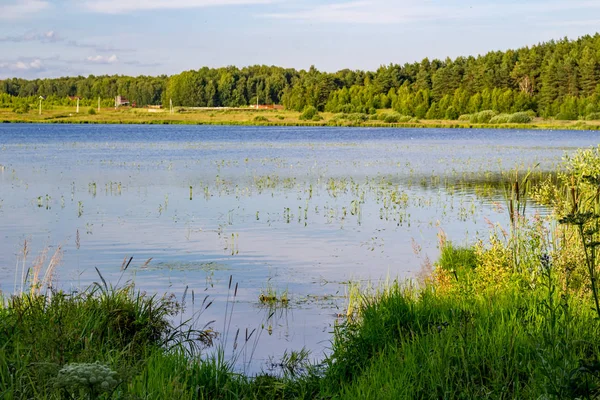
[260, 118]
[591, 108]
[356, 117]
[92, 111]
[520, 118]
[346, 109]
[531, 113]
[21, 108]
[483, 117]
[500, 119]
[595, 116]
[317, 118]
[451, 113]
[392, 117]
[566, 116]
[308, 113]
[466, 117]
[337, 117]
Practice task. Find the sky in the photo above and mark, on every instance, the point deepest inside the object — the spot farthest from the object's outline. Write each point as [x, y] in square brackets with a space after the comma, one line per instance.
[52, 38]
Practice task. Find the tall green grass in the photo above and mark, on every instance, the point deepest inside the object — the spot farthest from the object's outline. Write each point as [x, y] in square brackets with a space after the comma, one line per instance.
[422, 345]
[41, 333]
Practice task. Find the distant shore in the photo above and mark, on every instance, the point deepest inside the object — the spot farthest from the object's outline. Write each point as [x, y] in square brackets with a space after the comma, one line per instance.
[249, 117]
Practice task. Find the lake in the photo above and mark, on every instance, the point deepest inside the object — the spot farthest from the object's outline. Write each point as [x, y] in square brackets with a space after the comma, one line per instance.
[298, 213]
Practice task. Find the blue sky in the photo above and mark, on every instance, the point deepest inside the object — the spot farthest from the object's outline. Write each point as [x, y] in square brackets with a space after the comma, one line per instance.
[49, 38]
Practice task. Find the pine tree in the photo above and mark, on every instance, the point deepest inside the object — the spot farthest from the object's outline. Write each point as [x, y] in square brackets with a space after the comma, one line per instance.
[588, 71]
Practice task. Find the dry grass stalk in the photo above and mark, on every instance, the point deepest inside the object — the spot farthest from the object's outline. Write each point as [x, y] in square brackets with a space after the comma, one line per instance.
[37, 268]
[54, 261]
[425, 274]
[442, 238]
[35, 285]
[24, 253]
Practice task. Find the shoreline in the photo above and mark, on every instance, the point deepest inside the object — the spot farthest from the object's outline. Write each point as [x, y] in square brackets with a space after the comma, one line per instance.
[412, 125]
[281, 118]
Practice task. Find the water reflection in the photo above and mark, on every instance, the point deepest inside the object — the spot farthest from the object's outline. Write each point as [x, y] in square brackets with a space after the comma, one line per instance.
[304, 210]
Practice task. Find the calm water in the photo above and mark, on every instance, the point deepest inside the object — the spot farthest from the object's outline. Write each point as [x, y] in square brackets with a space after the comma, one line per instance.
[295, 210]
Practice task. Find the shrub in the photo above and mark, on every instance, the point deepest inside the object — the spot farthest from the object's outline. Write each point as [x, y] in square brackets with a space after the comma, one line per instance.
[500, 119]
[483, 117]
[21, 108]
[595, 116]
[519, 118]
[531, 113]
[356, 117]
[566, 116]
[317, 118]
[392, 117]
[346, 109]
[260, 118]
[466, 117]
[451, 113]
[308, 113]
[92, 111]
[338, 117]
[591, 108]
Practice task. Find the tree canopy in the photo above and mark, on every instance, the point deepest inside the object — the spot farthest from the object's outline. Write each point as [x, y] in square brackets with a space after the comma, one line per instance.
[553, 79]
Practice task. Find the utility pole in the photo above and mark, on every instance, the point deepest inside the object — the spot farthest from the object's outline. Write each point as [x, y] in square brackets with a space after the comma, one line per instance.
[78, 105]
[171, 111]
[98, 103]
[41, 98]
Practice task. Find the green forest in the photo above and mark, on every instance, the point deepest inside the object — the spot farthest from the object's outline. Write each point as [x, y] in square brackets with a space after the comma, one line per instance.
[557, 79]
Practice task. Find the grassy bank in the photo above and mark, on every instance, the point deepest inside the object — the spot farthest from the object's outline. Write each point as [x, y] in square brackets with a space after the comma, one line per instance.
[67, 115]
[514, 317]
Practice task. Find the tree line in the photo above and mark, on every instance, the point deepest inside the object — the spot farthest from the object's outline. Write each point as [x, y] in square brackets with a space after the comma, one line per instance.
[558, 79]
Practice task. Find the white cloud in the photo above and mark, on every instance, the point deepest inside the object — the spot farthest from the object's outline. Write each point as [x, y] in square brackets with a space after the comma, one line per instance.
[103, 59]
[33, 36]
[22, 8]
[50, 35]
[22, 65]
[399, 11]
[124, 6]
